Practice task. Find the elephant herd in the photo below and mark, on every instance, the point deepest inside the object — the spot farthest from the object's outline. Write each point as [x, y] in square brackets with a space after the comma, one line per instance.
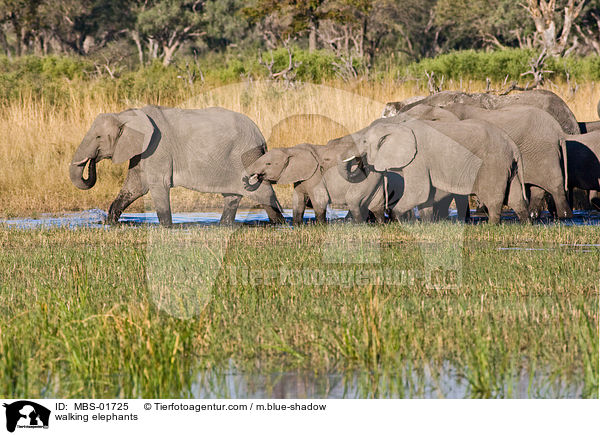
[424, 153]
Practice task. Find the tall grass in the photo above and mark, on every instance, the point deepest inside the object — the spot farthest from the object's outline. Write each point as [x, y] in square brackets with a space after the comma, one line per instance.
[85, 313]
[38, 137]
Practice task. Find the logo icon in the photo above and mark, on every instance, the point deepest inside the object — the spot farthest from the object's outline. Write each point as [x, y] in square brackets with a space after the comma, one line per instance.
[26, 414]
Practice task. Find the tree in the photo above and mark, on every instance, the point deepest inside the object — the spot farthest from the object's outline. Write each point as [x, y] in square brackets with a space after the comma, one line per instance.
[589, 28]
[165, 25]
[226, 24]
[22, 15]
[483, 23]
[282, 19]
[82, 26]
[546, 19]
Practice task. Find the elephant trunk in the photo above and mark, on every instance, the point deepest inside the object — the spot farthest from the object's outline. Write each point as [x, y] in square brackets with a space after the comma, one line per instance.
[254, 179]
[76, 174]
[355, 175]
[86, 152]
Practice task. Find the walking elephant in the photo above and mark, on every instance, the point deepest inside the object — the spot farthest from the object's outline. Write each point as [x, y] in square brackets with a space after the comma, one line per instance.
[583, 157]
[312, 169]
[460, 157]
[541, 142]
[200, 149]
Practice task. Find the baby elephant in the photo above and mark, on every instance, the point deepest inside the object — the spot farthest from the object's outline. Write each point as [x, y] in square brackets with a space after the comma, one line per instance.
[312, 169]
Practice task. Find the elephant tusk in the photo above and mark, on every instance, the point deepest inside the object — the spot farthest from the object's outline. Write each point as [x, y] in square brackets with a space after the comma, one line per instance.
[348, 159]
[81, 162]
[253, 179]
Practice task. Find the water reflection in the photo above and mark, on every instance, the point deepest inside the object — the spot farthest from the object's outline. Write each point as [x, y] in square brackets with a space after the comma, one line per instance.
[427, 383]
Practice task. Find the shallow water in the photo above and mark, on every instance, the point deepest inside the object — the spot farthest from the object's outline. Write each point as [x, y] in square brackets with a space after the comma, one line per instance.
[96, 218]
[427, 383]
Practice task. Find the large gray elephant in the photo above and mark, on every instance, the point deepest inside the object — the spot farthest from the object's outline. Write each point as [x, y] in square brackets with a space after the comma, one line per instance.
[540, 98]
[312, 169]
[439, 210]
[541, 142]
[460, 157]
[583, 157]
[204, 150]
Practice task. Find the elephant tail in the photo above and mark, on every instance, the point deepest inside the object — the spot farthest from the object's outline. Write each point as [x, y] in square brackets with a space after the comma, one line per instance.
[520, 172]
[563, 148]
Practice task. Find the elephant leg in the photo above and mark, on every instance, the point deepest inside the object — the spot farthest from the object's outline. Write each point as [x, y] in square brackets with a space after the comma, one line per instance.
[412, 197]
[320, 214]
[265, 196]
[563, 210]
[162, 203]
[494, 207]
[570, 197]
[517, 202]
[275, 215]
[427, 214]
[403, 217]
[132, 189]
[594, 199]
[319, 197]
[298, 206]
[359, 214]
[230, 207]
[462, 207]
[320, 209]
[441, 208]
[491, 196]
[379, 215]
[536, 195]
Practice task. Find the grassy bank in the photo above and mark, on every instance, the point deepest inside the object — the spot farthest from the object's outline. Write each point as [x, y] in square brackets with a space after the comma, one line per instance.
[122, 312]
[38, 136]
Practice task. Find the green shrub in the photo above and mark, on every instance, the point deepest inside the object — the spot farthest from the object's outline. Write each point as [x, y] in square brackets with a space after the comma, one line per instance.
[496, 65]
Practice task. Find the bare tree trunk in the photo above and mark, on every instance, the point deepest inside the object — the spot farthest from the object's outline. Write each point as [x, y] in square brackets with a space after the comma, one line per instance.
[4, 43]
[138, 43]
[312, 37]
[169, 51]
[543, 14]
[590, 38]
[17, 28]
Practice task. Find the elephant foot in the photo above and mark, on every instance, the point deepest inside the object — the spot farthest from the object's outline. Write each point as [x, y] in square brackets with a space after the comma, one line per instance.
[534, 214]
[113, 217]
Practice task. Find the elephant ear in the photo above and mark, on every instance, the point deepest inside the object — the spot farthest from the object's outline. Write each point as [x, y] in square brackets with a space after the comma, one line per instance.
[301, 165]
[396, 148]
[135, 135]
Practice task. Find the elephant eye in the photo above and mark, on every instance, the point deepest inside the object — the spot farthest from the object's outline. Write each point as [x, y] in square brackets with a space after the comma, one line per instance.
[268, 164]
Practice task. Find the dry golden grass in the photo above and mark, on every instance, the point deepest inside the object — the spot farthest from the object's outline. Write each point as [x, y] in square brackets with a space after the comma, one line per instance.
[37, 139]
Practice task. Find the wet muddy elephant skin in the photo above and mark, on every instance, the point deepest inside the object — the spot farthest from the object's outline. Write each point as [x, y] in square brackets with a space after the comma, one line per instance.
[201, 149]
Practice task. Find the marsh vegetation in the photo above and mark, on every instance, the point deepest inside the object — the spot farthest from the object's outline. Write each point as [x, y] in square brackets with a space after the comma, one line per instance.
[149, 312]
